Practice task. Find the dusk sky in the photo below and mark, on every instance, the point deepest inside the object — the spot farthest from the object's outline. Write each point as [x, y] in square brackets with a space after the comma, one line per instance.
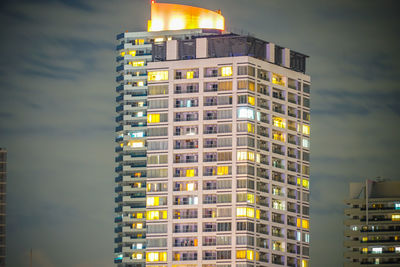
[57, 109]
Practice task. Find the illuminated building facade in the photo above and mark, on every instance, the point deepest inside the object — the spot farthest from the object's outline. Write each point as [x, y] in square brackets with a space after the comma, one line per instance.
[3, 183]
[372, 227]
[213, 142]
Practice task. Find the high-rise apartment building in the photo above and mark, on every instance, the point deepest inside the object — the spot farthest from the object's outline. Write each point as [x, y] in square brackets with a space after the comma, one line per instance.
[213, 143]
[3, 183]
[372, 227]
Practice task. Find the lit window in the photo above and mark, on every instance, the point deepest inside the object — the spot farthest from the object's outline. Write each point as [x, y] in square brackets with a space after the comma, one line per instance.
[306, 129]
[250, 198]
[139, 41]
[250, 128]
[279, 136]
[132, 53]
[153, 201]
[135, 144]
[251, 100]
[222, 170]
[156, 214]
[139, 215]
[190, 173]
[245, 254]
[279, 122]
[139, 226]
[190, 187]
[365, 239]
[157, 75]
[159, 40]
[245, 113]
[397, 249]
[189, 74]
[365, 250]
[245, 155]
[226, 71]
[241, 254]
[298, 222]
[245, 212]
[140, 83]
[153, 118]
[306, 143]
[395, 217]
[306, 184]
[277, 79]
[307, 238]
[156, 256]
[376, 250]
[136, 63]
[304, 263]
[397, 206]
[305, 224]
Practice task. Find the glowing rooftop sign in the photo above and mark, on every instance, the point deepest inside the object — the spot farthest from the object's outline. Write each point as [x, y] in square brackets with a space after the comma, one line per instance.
[166, 17]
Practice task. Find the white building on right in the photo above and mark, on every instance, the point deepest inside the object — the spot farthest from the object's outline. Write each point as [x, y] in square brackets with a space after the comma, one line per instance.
[372, 227]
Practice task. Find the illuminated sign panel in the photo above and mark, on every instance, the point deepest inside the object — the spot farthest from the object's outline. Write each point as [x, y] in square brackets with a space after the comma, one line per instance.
[166, 17]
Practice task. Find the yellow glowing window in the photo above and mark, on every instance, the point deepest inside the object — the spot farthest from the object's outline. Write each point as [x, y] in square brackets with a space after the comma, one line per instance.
[139, 226]
[222, 170]
[250, 255]
[365, 250]
[189, 74]
[123, 53]
[250, 198]
[136, 63]
[139, 41]
[140, 83]
[365, 239]
[298, 181]
[250, 128]
[245, 155]
[306, 129]
[304, 263]
[156, 214]
[258, 214]
[132, 53]
[395, 217]
[251, 87]
[245, 254]
[156, 256]
[298, 222]
[190, 173]
[190, 187]
[157, 75]
[153, 118]
[159, 40]
[153, 201]
[139, 215]
[251, 100]
[306, 184]
[241, 254]
[135, 144]
[305, 224]
[277, 79]
[226, 71]
[279, 137]
[279, 122]
[245, 212]
[121, 145]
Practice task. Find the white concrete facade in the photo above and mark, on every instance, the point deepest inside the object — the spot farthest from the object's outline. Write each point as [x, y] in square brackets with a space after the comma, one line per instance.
[221, 136]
